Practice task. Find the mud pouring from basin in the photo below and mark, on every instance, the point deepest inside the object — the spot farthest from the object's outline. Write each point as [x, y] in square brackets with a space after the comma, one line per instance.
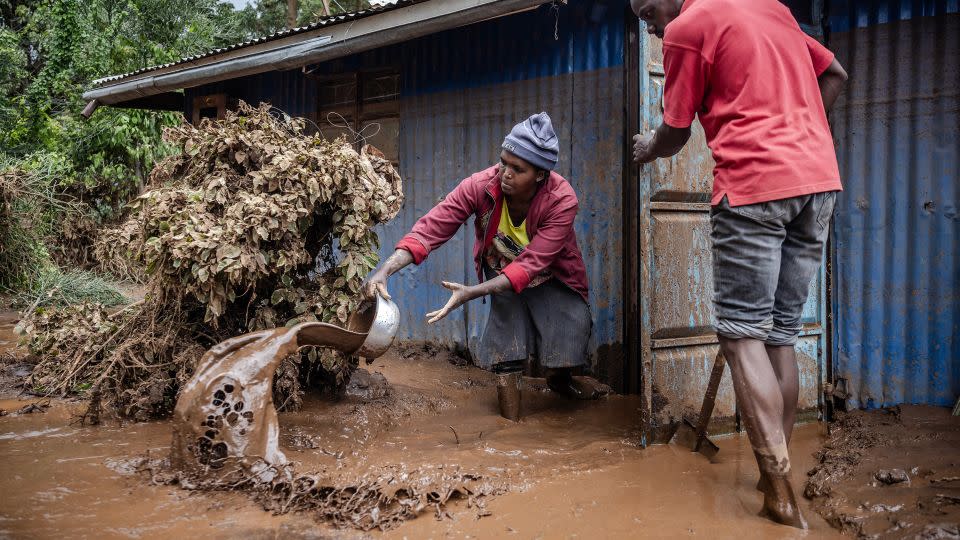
[380, 320]
[225, 412]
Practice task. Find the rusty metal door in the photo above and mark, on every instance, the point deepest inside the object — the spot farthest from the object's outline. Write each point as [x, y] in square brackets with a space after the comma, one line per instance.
[673, 321]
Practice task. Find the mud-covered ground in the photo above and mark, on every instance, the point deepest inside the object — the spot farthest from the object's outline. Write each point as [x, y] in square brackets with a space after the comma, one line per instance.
[570, 469]
[892, 473]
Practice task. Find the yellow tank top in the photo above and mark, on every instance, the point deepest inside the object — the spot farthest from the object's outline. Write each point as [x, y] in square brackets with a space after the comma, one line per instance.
[516, 233]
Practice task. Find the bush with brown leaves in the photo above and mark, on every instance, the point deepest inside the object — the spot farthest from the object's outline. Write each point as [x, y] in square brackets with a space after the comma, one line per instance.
[251, 224]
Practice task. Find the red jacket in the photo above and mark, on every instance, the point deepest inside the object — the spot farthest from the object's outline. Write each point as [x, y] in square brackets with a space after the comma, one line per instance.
[549, 223]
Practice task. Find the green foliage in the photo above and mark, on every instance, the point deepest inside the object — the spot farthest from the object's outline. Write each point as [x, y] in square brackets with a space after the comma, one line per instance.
[265, 17]
[50, 50]
[53, 287]
[26, 205]
[27, 213]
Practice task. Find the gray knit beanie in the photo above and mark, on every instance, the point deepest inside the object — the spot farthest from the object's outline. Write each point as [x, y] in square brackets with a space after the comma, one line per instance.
[534, 141]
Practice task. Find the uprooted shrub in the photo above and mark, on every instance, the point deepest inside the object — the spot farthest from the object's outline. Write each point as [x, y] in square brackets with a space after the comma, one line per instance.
[251, 224]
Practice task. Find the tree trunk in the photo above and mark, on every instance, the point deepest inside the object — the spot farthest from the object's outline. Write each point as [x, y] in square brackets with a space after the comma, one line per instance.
[291, 13]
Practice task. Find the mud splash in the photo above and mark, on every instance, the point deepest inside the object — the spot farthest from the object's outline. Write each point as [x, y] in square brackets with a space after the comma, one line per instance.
[892, 473]
[225, 411]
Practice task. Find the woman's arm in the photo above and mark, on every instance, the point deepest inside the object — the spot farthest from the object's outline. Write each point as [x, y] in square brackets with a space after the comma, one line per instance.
[430, 232]
[445, 219]
[463, 293]
[377, 281]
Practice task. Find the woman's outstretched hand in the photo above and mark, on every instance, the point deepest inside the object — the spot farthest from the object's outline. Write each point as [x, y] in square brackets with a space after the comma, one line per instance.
[460, 295]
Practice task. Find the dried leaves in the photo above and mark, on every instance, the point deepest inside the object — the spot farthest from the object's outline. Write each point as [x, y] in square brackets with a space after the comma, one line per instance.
[381, 499]
[233, 213]
[251, 225]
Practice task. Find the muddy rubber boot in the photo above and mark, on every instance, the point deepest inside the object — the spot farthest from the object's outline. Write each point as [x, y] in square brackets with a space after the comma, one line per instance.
[508, 394]
[780, 503]
[562, 382]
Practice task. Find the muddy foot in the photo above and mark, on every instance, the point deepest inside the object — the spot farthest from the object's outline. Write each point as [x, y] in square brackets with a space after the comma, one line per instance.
[780, 504]
[763, 484]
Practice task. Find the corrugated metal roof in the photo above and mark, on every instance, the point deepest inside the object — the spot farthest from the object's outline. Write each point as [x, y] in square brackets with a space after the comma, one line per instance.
[286, 32]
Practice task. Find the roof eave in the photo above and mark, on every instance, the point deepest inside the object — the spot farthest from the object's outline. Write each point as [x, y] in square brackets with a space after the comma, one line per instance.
[325, 43]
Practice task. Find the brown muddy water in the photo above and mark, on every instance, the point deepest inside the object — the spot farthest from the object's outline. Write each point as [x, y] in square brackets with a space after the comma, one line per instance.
[574, 469]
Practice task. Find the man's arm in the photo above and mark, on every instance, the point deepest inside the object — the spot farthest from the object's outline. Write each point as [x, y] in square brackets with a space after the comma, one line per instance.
[665, 141]
[831, 83]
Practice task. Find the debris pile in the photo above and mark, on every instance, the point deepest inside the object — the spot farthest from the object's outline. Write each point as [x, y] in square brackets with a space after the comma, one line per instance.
[891, 473]
[251, 224]
[381, 499]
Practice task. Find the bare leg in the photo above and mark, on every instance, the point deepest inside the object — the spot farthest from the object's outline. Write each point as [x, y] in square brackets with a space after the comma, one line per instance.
[761, 401]
[784, 362]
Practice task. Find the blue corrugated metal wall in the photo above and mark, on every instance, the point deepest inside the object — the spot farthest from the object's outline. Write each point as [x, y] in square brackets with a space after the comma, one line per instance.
[462, 90]
[896, 259]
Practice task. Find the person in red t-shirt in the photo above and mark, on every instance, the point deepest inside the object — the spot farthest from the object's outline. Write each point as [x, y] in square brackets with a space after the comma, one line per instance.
[761, 88]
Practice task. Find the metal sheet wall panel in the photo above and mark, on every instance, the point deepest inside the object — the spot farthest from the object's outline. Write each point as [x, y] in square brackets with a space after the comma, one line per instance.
[682, 274]
[680, 380]
[809, 352]
[428, 127]
[897, 227]
[461, 92]
[596, 150]
[849, 14]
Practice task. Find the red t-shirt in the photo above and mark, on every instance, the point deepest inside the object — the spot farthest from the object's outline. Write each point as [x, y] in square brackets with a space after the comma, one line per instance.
[750, 74]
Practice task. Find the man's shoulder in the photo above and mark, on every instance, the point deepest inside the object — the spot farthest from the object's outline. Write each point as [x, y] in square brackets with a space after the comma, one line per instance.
[694, 25]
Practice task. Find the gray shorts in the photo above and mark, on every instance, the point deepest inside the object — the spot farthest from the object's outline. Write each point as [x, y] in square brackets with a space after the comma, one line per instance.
[764, 257]
[550, 322]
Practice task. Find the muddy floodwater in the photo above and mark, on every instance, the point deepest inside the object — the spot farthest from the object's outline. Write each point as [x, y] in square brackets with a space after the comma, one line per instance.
[573, 469]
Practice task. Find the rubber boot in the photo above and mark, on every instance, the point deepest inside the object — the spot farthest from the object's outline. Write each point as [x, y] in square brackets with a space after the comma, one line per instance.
[561, 381]
[508, 394]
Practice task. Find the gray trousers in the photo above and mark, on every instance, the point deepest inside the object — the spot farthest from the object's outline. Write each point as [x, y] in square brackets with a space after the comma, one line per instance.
[764, 258]
[550, 322]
